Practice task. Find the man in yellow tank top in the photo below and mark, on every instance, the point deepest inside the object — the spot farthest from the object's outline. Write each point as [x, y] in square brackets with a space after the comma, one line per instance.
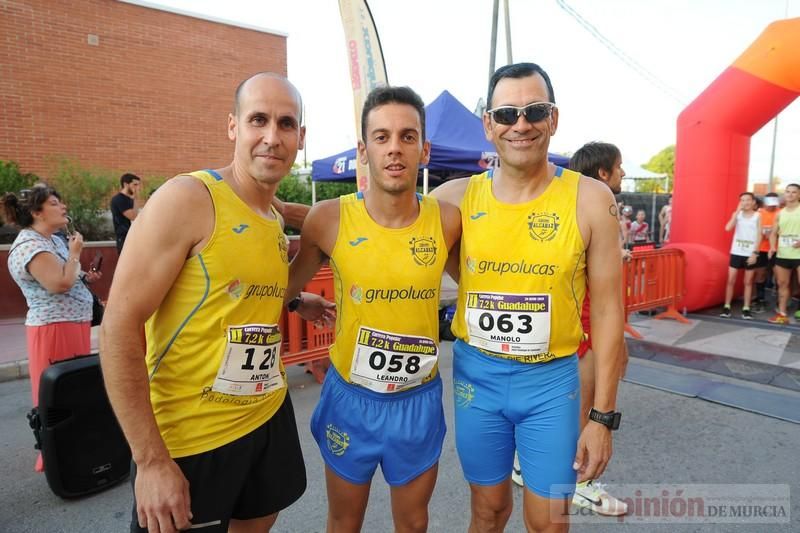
[382, 398]
[204, 404]
[533, 233]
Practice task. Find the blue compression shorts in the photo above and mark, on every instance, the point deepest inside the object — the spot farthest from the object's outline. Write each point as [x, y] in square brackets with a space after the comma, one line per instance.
[502, 404]
[357, 429]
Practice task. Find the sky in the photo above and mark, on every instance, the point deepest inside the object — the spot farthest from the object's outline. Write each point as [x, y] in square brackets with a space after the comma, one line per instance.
[436, 45]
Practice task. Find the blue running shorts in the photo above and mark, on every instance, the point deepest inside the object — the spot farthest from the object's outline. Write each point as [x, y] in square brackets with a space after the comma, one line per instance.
[502, 404]
[357, 429]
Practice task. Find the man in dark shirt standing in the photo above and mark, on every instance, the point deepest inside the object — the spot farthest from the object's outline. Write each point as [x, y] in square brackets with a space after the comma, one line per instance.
[122, 210]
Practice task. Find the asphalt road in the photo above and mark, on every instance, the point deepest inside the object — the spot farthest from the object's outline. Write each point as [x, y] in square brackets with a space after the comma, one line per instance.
[665, 440]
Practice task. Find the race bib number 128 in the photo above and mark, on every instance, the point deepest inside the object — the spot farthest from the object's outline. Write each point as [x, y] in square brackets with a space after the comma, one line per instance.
[514, 324]
[251, 364]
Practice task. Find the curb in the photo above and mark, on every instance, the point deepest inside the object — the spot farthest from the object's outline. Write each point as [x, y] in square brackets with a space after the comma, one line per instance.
[14, 370]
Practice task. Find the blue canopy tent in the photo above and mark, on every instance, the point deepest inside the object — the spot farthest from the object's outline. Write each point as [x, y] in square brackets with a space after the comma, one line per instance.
[458, 145]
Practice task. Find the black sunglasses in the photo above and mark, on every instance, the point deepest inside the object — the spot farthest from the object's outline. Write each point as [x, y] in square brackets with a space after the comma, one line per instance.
[508, 115]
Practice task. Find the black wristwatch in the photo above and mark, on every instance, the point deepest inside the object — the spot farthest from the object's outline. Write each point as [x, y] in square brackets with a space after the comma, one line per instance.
[294, 303]
[610, 419]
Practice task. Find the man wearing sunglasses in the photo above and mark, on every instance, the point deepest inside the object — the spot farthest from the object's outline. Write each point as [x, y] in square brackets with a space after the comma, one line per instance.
[533, 235]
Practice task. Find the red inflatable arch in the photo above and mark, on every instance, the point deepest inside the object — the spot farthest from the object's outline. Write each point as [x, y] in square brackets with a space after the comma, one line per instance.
[712, 153]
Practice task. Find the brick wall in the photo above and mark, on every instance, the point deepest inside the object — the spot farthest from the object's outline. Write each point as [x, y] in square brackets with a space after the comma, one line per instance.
[151, 97]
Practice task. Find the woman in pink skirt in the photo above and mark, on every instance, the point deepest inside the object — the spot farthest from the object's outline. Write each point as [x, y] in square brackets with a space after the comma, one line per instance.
[48, 271]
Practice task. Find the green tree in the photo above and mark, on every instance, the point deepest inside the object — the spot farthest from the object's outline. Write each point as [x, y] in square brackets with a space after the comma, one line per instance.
[294, 189]
[86, 193]
[334, 189]
[12, 179]
[663, 163]
[151, 183]
[650, 185]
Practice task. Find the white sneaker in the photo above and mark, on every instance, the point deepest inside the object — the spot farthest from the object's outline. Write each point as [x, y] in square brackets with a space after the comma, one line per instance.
[516, 472]
[593, 495]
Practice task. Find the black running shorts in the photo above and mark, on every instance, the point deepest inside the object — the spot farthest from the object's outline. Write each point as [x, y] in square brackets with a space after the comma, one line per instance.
[256, 475]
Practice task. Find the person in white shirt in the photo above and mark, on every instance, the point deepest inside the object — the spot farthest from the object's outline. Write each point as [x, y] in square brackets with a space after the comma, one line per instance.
[744, 251]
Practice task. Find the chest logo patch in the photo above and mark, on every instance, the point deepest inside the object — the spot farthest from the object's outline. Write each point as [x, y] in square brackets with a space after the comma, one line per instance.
[283, 247]
[543, 226]
[471, 263]
[234, 289]
[423, 250]
[356, 293]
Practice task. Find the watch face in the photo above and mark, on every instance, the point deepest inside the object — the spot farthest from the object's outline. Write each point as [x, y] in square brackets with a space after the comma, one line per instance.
[615, 420]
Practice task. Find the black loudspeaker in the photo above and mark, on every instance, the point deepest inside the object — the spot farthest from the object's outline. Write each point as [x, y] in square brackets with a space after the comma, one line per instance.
[83, 447]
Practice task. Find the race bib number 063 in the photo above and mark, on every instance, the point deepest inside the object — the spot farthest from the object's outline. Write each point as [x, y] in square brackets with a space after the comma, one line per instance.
[514, 324]
[251, 364]
[390, 362]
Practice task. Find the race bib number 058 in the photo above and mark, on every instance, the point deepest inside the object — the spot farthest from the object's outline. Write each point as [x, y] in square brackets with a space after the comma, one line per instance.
[251, 364]
[390, 362]
[514, 324]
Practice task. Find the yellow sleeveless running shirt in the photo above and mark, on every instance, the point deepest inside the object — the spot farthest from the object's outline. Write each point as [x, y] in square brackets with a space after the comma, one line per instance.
[523, 272]
[213, 344]
[387, 283]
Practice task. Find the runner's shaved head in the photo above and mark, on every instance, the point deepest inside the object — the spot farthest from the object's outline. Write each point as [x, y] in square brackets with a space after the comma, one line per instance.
[240, 88]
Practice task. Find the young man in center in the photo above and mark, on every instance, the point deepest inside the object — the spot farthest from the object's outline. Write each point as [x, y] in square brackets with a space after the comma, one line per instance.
[382, 398]
[533, 234]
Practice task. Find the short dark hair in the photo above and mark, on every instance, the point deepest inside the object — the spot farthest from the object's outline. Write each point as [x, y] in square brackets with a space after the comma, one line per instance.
[19, 209]
[593, 156]
[748, 193]
[392, 95]
[238, 93]
[771, 195]
[796, 186]
[128, 178]
[519, 70]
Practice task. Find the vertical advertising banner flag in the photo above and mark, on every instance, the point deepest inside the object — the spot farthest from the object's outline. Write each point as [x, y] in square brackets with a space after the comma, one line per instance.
[365, 59]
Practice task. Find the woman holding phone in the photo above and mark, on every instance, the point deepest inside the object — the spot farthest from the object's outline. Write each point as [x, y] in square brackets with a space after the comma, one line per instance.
[48, 271]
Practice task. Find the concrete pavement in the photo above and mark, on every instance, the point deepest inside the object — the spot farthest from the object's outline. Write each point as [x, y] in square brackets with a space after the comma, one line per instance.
[665, 439]
[668, 439]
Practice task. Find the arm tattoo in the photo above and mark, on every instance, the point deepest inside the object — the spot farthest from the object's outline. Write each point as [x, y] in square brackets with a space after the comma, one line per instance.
[612, 209]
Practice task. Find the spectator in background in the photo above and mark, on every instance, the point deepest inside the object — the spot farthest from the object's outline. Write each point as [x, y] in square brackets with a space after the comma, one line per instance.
[639, 229]
[665, 221]
[122, 210]
[48, 271]
[625, 212]
[768, 215]
[784, 243]
[744, 252]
